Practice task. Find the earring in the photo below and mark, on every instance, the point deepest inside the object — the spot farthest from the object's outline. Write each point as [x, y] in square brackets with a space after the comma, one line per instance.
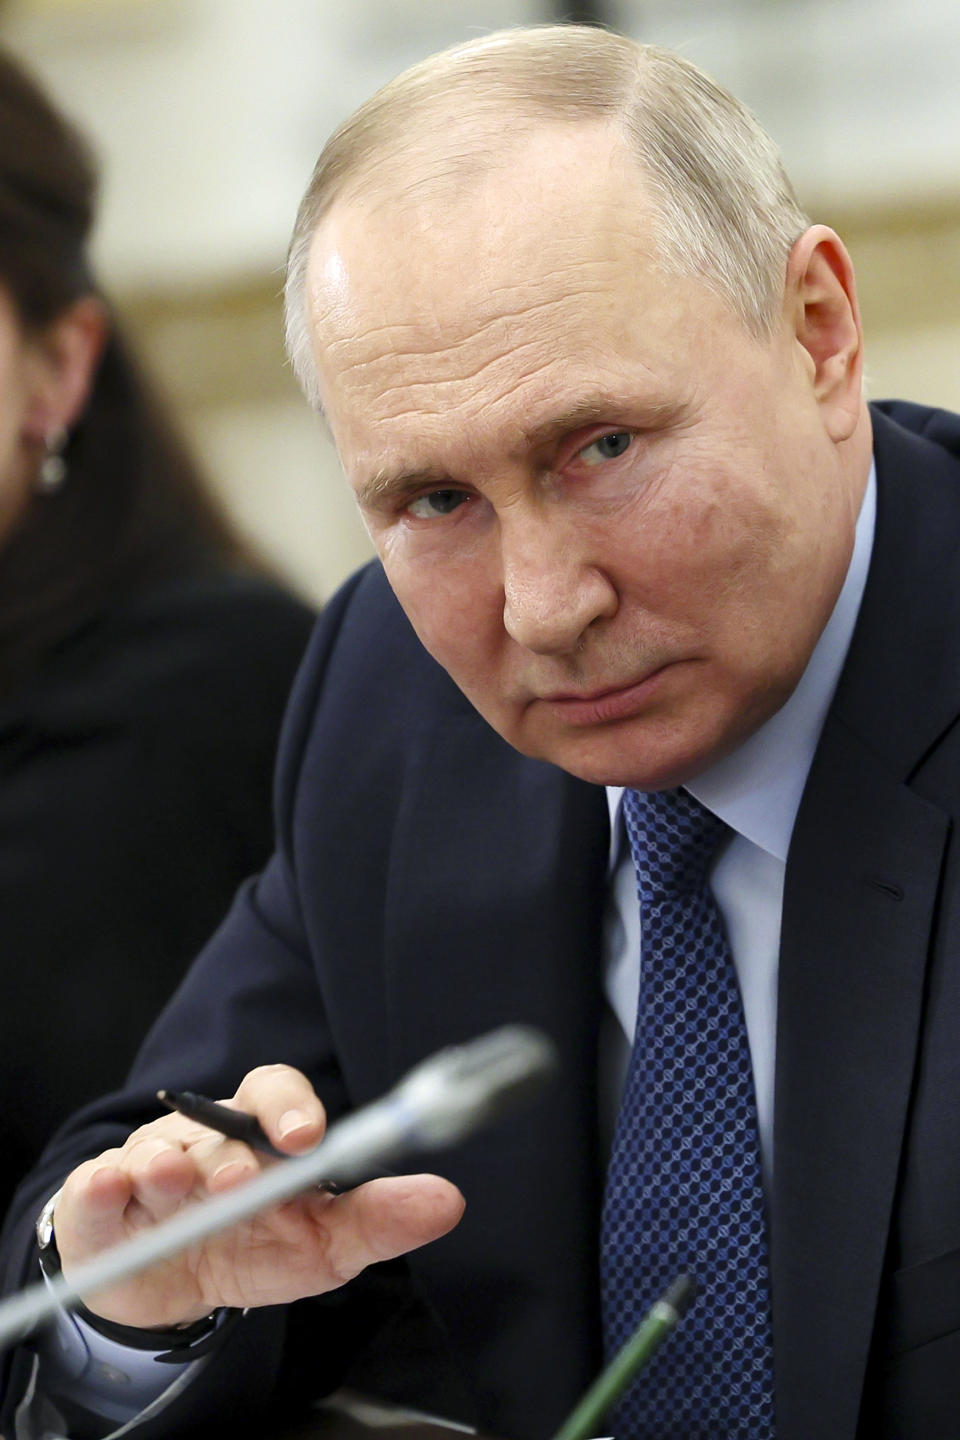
[53, 467]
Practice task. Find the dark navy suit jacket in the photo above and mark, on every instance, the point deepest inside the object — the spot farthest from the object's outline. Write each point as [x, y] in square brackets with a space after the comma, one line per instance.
[430, 883]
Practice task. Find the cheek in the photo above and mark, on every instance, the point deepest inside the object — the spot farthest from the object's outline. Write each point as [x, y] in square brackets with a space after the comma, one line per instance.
[681, 553]
[708, 559]
[734, 522]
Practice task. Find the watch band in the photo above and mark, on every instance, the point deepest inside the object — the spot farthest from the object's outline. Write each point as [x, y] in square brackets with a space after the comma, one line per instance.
[174, 1345]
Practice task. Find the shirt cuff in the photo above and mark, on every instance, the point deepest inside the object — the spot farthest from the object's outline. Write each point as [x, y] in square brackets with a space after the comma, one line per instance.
[83, 1382]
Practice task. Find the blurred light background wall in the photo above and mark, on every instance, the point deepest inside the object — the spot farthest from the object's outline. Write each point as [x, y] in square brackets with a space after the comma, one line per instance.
[209, 114]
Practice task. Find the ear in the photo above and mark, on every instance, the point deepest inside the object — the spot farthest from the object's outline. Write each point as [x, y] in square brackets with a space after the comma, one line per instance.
[821, 297]
[63, 362]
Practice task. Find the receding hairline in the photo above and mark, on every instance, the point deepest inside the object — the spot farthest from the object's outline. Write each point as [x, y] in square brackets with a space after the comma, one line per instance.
[476, 85]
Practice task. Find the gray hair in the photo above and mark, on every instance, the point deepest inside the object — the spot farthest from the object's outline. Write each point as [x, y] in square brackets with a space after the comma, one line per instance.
[725, 207]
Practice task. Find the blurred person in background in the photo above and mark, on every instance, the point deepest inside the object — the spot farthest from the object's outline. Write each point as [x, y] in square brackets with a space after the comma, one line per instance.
[144, 663]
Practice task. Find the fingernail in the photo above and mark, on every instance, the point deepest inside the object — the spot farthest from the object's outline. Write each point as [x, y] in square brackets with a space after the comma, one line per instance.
[292, 1120]
[237, 1166]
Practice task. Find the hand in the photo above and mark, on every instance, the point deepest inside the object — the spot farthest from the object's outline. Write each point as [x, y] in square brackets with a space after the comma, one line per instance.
[305, 1246]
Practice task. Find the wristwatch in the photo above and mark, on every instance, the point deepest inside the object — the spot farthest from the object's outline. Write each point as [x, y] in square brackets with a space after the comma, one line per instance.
[174, 1346]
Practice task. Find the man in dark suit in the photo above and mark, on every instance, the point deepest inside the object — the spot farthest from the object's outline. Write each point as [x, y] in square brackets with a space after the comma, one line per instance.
[603, 414]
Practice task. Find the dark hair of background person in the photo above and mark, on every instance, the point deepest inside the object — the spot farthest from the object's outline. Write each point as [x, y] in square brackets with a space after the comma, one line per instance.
[134, 504]
[145, 664]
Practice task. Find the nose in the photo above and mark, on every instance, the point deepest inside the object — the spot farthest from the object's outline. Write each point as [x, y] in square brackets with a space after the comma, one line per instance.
[552, 592]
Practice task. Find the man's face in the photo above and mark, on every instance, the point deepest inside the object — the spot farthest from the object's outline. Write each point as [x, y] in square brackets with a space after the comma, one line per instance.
[611, 514]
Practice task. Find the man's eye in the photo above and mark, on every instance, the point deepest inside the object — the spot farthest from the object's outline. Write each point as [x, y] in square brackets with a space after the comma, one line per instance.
[436, 504]
[606, 447]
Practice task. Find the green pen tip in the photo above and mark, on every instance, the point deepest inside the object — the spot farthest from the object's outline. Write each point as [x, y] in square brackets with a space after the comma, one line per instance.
[681, 1294]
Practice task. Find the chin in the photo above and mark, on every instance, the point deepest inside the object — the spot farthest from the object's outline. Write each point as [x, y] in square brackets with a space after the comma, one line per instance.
[627, 760]
[646, 774]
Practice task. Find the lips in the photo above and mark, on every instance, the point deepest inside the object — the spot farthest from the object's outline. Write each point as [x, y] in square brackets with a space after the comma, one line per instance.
[602, 706]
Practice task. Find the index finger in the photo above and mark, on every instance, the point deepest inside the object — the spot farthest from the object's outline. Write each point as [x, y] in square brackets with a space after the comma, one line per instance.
[286, 1105]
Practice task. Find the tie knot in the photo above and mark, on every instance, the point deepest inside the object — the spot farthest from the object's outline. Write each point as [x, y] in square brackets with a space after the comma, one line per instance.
[673, 839]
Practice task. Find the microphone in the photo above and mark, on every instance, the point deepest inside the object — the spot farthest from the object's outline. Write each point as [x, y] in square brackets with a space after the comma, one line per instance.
[441, 1101]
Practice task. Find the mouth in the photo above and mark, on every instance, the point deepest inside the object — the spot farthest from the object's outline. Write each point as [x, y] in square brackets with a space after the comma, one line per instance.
[598, 707]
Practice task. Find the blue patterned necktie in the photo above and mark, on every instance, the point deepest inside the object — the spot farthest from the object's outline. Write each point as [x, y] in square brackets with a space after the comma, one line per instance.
[684, 1189]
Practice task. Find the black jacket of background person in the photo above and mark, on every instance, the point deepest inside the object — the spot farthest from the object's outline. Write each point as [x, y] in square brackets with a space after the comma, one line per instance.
[431, 883]
[135, 778]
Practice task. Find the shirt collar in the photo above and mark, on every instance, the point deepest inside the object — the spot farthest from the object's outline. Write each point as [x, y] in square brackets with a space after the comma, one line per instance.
[756, 790]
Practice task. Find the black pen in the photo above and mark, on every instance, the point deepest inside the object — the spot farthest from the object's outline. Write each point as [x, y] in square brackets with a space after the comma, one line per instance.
[235, 1124]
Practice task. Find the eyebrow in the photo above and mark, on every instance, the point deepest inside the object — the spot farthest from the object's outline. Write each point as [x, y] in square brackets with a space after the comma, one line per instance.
[598, 410]
[388, 485]
[593, 410]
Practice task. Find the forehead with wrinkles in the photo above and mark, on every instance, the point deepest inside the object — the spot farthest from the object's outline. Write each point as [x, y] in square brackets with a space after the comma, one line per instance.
[541, 245]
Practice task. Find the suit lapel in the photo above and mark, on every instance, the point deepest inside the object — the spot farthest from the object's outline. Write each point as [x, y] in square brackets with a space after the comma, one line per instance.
[858, 912]
[493, 915]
